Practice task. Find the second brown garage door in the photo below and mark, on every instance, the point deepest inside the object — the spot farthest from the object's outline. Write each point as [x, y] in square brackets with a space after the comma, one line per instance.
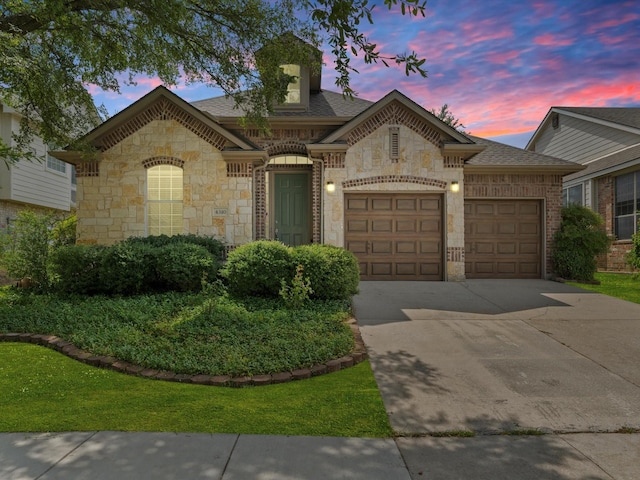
[503, 238]
[395, 236]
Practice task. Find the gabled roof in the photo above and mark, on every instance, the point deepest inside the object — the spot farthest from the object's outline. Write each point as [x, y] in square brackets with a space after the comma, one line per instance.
[142, 111]
[396, 96]
[321, 104]
[621, 118]
[498, 155]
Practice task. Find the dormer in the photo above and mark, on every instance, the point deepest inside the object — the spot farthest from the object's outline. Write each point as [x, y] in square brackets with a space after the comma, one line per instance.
[302, 68]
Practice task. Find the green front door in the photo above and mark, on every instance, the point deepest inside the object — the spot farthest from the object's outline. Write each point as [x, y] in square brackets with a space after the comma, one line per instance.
[291, 220]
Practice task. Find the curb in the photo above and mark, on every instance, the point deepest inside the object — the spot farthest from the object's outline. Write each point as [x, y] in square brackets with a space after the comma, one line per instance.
[54, 342]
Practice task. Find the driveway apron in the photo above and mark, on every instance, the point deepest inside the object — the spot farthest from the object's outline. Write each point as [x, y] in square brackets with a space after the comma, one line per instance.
[495, 356]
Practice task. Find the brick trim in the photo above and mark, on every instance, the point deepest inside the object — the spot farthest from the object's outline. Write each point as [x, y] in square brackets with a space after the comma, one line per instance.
[287, 148]
[394, 179]
[333, 159]
[162, 160]
[88, 169]
[453, 161]
[395, 114]
[455, 254]
[163, 110]
[239, 169]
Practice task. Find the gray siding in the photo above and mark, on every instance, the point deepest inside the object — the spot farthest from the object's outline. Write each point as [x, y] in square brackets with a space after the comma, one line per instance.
[581, 141]
[32, 182]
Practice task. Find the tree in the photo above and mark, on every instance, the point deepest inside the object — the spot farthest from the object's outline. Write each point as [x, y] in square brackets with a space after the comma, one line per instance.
[51, 51]
[447, 117]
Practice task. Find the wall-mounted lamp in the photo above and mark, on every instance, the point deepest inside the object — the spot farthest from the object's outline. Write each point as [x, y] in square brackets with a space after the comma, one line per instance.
[331, 187]
[455, 187]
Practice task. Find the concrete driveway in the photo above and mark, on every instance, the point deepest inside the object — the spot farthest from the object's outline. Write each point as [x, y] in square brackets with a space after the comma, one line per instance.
[496, 356]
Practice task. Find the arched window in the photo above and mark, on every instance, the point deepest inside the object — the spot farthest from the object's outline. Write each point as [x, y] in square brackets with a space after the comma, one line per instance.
[164, 200]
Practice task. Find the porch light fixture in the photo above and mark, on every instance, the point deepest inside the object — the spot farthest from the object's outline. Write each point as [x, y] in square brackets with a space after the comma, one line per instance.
[455, 187]
[331, 187]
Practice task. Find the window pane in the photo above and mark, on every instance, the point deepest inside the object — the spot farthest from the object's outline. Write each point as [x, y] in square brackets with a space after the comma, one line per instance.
[164, 200]
[625, 194]
[56, 165]
[625, 227]
[575, 195]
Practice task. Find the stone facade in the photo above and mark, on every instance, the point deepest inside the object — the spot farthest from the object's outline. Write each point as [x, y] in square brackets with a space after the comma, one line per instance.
[420, 168]
[217, 199]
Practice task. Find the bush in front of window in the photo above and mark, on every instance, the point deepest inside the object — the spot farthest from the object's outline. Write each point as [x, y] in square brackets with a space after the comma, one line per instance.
[135, 266]
[633, 257]
[184, 267]
[580, 239]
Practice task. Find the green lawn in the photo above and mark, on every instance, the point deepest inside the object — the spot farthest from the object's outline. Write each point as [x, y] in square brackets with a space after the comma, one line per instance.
[619, 285]
[43, 390]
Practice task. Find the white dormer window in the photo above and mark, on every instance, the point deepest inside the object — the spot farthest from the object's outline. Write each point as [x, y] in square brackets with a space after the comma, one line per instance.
[293, 89]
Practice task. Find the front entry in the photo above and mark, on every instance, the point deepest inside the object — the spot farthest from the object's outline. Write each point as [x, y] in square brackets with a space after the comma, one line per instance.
[292, 214]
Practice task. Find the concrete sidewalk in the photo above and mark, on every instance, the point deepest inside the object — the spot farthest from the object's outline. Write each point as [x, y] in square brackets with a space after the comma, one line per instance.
[169, 456]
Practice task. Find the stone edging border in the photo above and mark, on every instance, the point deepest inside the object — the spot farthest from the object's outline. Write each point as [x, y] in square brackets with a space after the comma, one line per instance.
[358, 355]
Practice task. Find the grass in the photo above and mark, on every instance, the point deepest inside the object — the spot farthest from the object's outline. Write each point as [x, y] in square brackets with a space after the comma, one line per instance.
[620, 285]
[43, 390]
[187, 333]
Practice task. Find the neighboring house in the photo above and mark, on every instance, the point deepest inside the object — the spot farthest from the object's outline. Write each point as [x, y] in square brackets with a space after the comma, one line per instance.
[413, 198]
[606, 141]
[41, 186]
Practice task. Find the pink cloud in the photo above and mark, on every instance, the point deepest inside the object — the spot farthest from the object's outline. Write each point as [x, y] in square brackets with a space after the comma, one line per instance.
[502, 57]
[550, 40]
[613, 22]
[485, 30]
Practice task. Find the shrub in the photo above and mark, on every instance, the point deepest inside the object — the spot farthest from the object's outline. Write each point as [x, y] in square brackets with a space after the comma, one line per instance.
[578, 242]
[258, 268]
[184, 266]
[214, 247]
[76, 269]
[333, 271]
[633, 257]
[128, 269]
[296, 294]
[27, 246]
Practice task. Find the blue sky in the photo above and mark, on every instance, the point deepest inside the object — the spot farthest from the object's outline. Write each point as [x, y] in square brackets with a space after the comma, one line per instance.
[499, 65]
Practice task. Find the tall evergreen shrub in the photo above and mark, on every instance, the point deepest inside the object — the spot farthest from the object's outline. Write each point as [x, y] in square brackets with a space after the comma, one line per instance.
[579, 241]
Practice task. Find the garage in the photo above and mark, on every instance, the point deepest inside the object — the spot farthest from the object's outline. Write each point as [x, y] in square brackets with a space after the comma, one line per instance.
[503, 238]
[396, 236]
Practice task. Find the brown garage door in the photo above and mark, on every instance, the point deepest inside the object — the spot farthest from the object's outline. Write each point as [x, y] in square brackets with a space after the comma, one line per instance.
[503, 238]
[395, 236]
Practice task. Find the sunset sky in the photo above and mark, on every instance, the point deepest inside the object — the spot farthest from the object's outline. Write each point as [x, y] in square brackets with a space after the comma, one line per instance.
[499, 65]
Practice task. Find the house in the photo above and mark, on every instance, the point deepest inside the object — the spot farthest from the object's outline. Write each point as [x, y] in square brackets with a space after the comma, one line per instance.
[40, 186]
[413, 198]
[606, 141]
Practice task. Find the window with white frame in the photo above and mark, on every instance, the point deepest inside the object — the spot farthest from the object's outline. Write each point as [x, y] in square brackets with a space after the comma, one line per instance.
[56, 165]
[164, 200]
[572, 196]
[627, 205]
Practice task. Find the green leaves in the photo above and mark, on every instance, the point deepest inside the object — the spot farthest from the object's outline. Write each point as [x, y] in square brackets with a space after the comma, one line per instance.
[52, 52]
